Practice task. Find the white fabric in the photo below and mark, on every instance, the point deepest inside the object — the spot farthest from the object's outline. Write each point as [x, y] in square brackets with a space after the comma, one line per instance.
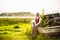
[33, 21]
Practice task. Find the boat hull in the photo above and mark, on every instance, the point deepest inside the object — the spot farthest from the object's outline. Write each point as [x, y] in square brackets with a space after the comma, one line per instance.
[54, 29]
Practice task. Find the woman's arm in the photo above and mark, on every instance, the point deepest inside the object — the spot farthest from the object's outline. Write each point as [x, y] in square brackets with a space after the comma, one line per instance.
[33, 22]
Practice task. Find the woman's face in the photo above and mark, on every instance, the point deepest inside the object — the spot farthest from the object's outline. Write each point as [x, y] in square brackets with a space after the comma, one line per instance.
[37, 15]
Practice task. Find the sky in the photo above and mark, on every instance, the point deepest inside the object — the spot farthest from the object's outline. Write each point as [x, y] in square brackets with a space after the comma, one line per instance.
[32, 6]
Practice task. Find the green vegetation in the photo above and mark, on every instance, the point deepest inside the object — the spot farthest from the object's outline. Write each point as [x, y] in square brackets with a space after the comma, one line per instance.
[17, 29]
[12, 21]
[44, 20]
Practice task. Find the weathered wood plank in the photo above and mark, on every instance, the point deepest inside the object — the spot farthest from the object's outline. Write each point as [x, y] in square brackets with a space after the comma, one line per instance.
[53, 29]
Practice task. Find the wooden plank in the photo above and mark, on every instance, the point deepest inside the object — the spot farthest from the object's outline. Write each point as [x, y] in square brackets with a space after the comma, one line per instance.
[49, 29]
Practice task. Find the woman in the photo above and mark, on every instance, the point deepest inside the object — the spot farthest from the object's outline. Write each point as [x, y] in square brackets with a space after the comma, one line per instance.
[35, 24]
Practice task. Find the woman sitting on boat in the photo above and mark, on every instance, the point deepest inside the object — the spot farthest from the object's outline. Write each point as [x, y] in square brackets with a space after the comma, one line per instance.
[35, 24]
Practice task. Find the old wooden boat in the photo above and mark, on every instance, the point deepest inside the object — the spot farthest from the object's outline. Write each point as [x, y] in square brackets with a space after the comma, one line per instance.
[54, 27]
[46, 30]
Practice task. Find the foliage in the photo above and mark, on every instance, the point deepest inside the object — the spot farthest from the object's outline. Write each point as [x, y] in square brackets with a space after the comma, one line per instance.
[11, 21]
[16, 26]
[22, 33]
[44, 20]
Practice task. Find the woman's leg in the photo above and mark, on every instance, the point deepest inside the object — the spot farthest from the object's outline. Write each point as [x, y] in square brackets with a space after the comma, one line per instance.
[34, 32]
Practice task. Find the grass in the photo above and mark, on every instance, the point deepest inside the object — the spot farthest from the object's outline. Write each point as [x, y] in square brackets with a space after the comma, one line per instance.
[11, 33]
[8, 32]
[23, 32]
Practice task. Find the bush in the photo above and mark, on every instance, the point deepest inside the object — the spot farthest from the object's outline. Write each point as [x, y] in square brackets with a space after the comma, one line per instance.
[16, 27]
[44, 20]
